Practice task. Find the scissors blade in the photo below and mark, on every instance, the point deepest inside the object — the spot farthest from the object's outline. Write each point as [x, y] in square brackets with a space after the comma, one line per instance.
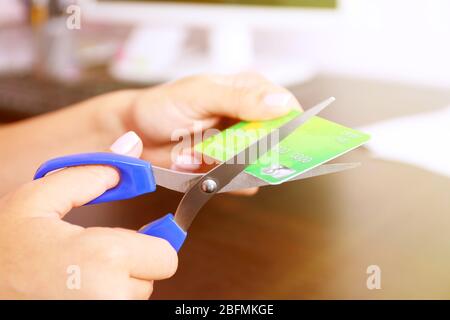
[245, 180]
[175, 180]
[182, 181]
[195, 197]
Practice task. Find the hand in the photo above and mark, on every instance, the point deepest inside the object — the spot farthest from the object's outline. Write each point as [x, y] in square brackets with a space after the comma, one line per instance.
[43, 257]
[157, 112]
[153, 113]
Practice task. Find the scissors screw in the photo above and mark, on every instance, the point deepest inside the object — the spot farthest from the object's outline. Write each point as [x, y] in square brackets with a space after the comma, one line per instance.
[209, 186]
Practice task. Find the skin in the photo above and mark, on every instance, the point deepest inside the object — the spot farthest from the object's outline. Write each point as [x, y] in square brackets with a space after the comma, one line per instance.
[37, 246]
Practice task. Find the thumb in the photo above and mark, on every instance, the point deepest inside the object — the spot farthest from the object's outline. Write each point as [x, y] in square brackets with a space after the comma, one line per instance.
[59, 192]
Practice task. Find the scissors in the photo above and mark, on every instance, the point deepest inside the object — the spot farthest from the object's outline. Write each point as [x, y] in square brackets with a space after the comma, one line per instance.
[138, 177]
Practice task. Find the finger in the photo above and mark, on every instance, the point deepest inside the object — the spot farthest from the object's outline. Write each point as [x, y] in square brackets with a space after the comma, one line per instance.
[245, 192]
[59, 192]
[119, 229]
[196, 103]
[150, 258]
[186, 161]
[140, 289]
[243, 96]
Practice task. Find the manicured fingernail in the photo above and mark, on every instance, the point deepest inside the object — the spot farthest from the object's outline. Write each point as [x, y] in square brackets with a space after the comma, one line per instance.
[125, 143]
[278, 100]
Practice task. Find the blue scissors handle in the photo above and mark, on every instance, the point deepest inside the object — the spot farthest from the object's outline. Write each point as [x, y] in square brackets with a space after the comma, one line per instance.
[136, 178]
[166, 228]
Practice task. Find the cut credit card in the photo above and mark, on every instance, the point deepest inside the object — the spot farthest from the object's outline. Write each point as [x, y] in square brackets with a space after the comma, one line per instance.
[314, 143]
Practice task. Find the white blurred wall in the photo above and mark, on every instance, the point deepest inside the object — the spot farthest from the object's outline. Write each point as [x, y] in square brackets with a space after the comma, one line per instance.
[400, 40]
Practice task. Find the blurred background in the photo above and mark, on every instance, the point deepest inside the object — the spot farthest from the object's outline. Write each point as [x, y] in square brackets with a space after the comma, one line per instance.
[387, 63]
[114, 44]
[54, 53]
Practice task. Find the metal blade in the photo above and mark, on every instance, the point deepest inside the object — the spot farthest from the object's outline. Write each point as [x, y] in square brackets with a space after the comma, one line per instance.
[175, 180]
[182, 181]
[245, 180]
[221, 175]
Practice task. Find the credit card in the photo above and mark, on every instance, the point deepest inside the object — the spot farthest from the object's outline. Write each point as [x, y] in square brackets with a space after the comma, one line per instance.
[315, 142]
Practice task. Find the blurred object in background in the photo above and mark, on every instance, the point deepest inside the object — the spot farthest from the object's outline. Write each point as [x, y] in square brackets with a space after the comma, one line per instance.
[12, 12]
[149, 55]
[54, 41]
[45, 66]
[16, 50]
[64, 53]
[157, 50]
[38, 12]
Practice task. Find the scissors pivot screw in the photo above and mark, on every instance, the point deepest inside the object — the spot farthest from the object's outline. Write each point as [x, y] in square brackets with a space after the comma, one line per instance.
[209, 186]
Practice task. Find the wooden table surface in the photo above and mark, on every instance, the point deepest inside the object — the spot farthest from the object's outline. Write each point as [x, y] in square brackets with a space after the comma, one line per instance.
[315, 238]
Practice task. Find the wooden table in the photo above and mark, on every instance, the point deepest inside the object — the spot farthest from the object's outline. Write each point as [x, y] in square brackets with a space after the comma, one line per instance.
[315, 238]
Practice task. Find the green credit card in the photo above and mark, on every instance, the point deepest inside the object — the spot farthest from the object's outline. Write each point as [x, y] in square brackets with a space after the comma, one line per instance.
[315, 142]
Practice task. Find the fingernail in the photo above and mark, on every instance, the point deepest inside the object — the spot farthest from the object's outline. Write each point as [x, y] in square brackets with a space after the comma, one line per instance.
[125, 143]
[278, 100]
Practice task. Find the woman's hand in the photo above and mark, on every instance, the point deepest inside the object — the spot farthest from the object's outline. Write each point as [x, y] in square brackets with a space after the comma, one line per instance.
[43, 257]
[185, 105]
